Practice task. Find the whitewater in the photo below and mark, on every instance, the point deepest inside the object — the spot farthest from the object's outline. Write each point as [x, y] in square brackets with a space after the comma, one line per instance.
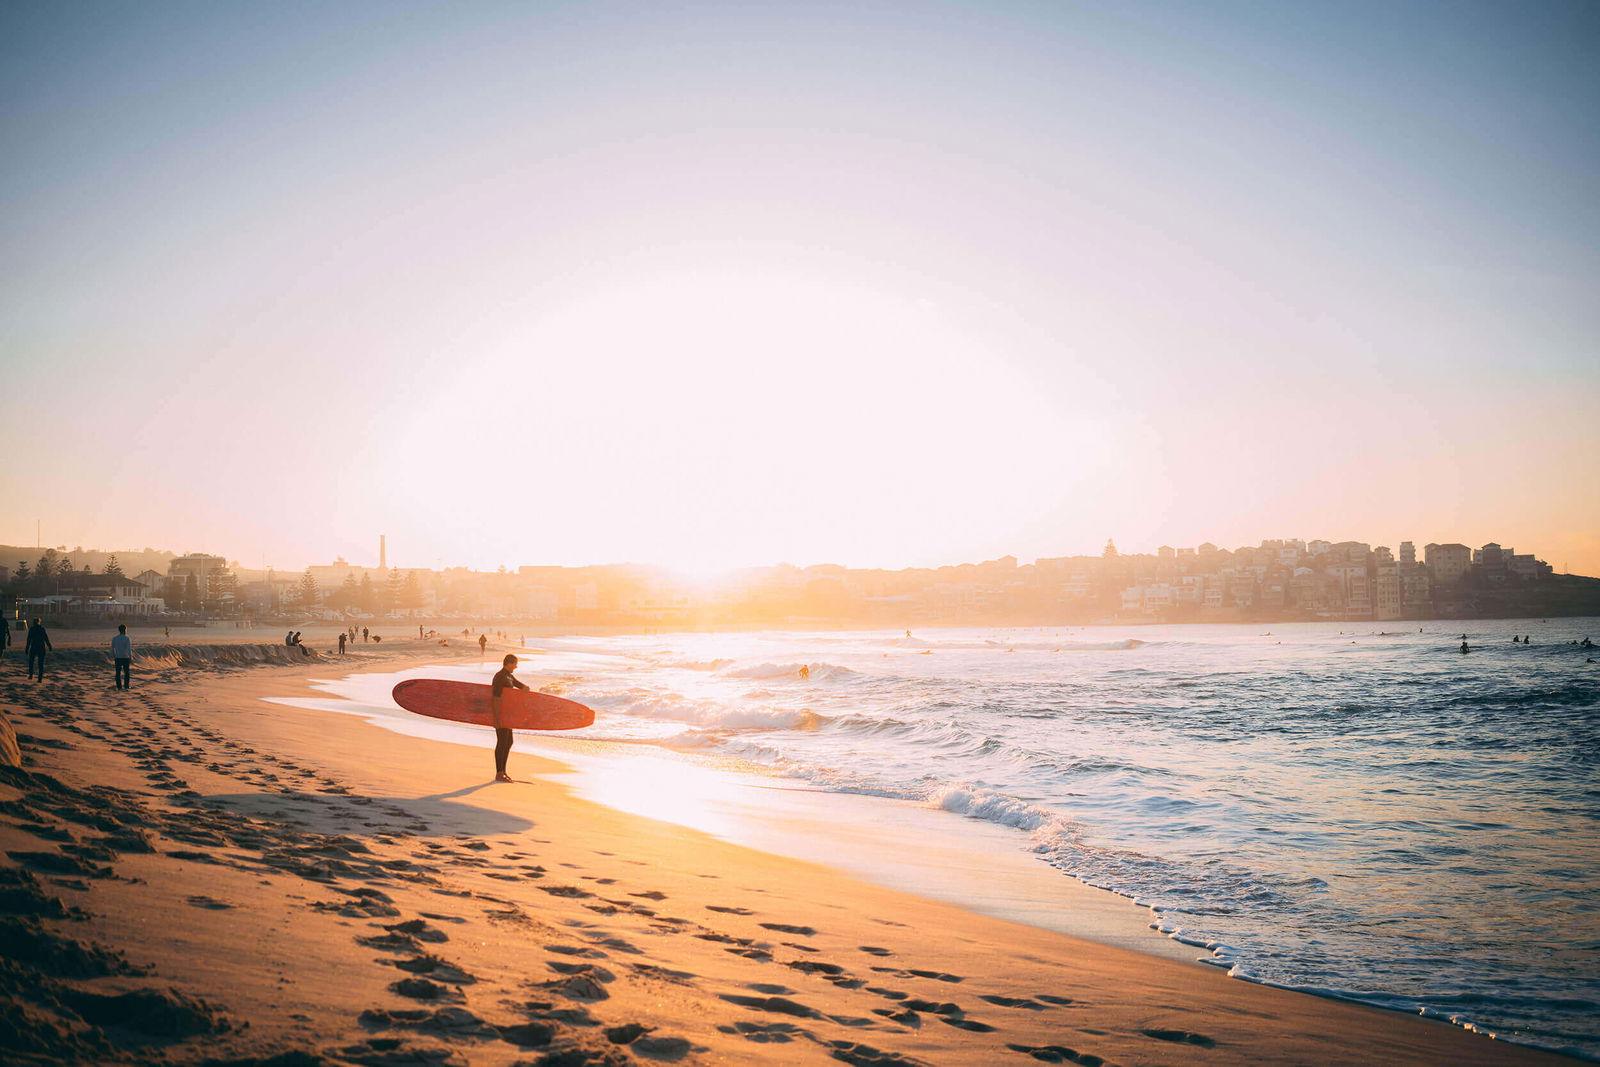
[1327, 807]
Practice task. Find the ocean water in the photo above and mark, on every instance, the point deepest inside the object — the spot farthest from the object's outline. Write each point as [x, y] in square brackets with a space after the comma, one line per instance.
[1365, 815]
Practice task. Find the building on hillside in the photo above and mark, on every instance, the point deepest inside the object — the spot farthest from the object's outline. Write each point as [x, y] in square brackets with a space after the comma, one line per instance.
[1388, 593]
[198, 564]
[155, 582]
[100, 594]
[1447, 563]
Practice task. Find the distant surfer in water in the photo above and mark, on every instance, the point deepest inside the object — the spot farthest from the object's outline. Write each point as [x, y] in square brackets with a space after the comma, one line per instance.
[504, 678]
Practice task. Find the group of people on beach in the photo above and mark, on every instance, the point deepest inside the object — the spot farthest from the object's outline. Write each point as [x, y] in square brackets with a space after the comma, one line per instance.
[37, 644]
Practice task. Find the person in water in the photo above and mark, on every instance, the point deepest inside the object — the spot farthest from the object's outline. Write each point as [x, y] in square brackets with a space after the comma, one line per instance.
[505, 678]
[1464, 647]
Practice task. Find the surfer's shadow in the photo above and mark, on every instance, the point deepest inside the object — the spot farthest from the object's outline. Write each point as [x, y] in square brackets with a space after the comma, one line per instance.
[431, 816]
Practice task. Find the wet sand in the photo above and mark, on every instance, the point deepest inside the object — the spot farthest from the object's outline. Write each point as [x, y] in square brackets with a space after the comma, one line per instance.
[192, 873]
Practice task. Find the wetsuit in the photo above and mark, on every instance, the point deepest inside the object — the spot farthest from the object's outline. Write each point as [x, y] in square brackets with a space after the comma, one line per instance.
[38, 644]
[503, 680]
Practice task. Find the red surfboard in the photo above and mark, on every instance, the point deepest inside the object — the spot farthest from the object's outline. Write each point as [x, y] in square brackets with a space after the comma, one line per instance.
[520, 709]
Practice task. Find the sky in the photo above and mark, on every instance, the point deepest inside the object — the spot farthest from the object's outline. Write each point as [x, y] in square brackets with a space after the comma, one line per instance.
[728, 284]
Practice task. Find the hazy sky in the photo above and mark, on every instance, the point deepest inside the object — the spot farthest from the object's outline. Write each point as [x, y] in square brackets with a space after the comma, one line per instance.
[868, 283]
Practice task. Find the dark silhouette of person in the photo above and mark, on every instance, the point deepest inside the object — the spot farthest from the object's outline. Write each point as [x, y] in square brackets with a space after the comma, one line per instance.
[483, 643]
[5, 636]
[342, 637]
[363, 633]
[1464, 647]
[36, 644]
[122, 657]
[288, 639]
[505, 678]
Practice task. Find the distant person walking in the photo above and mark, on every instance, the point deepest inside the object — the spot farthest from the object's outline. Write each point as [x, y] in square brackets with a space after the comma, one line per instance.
[483, 643]
[364, 633]
[122, 657]
[341, 643]
[504, 678]
[37, 644]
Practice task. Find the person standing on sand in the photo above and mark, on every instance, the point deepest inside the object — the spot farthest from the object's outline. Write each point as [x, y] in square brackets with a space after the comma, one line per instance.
[36, 645]
[341, 643]
[483, 644]
[504, 678]
[122, 657]
[364, 633]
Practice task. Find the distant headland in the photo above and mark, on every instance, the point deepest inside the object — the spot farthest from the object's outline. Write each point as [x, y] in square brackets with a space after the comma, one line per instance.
[1275, 581]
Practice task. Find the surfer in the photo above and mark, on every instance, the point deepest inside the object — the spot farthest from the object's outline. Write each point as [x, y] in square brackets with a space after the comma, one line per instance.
[1465, 647]
[504, 678]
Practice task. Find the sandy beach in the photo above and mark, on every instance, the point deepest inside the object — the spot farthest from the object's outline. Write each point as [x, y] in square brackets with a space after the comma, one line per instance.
[195, 875]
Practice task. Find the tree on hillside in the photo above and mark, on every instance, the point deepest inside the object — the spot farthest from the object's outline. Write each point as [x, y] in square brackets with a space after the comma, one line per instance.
[222, 591]
[22, 580]
[396, 588]
[307, 595]
[411, 593]
[348, 596]
[113, 567]
[368, 600]
[191, 593]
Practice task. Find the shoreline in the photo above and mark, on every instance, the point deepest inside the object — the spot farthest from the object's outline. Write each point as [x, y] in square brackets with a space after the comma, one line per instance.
[890, 842]
[655, 925]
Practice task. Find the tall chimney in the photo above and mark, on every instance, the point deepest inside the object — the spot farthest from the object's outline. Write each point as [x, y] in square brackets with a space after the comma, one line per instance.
[383, 553]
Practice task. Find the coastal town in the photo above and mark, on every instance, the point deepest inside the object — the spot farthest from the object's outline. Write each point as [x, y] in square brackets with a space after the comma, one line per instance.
[1277, 580]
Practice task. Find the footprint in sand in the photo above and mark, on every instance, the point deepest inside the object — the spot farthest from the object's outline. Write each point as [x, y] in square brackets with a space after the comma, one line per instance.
[853, 1052]
[938, 976]
[776, 1005]
[815, 967]
[440, 970]
[1057, 1054]
[208, 903]
[1014, 1002]
[765, 1033]
[785, 928]
[874, 950]
[729, 911]
[589, 970]
[967, 1024]
[1182, 1037]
